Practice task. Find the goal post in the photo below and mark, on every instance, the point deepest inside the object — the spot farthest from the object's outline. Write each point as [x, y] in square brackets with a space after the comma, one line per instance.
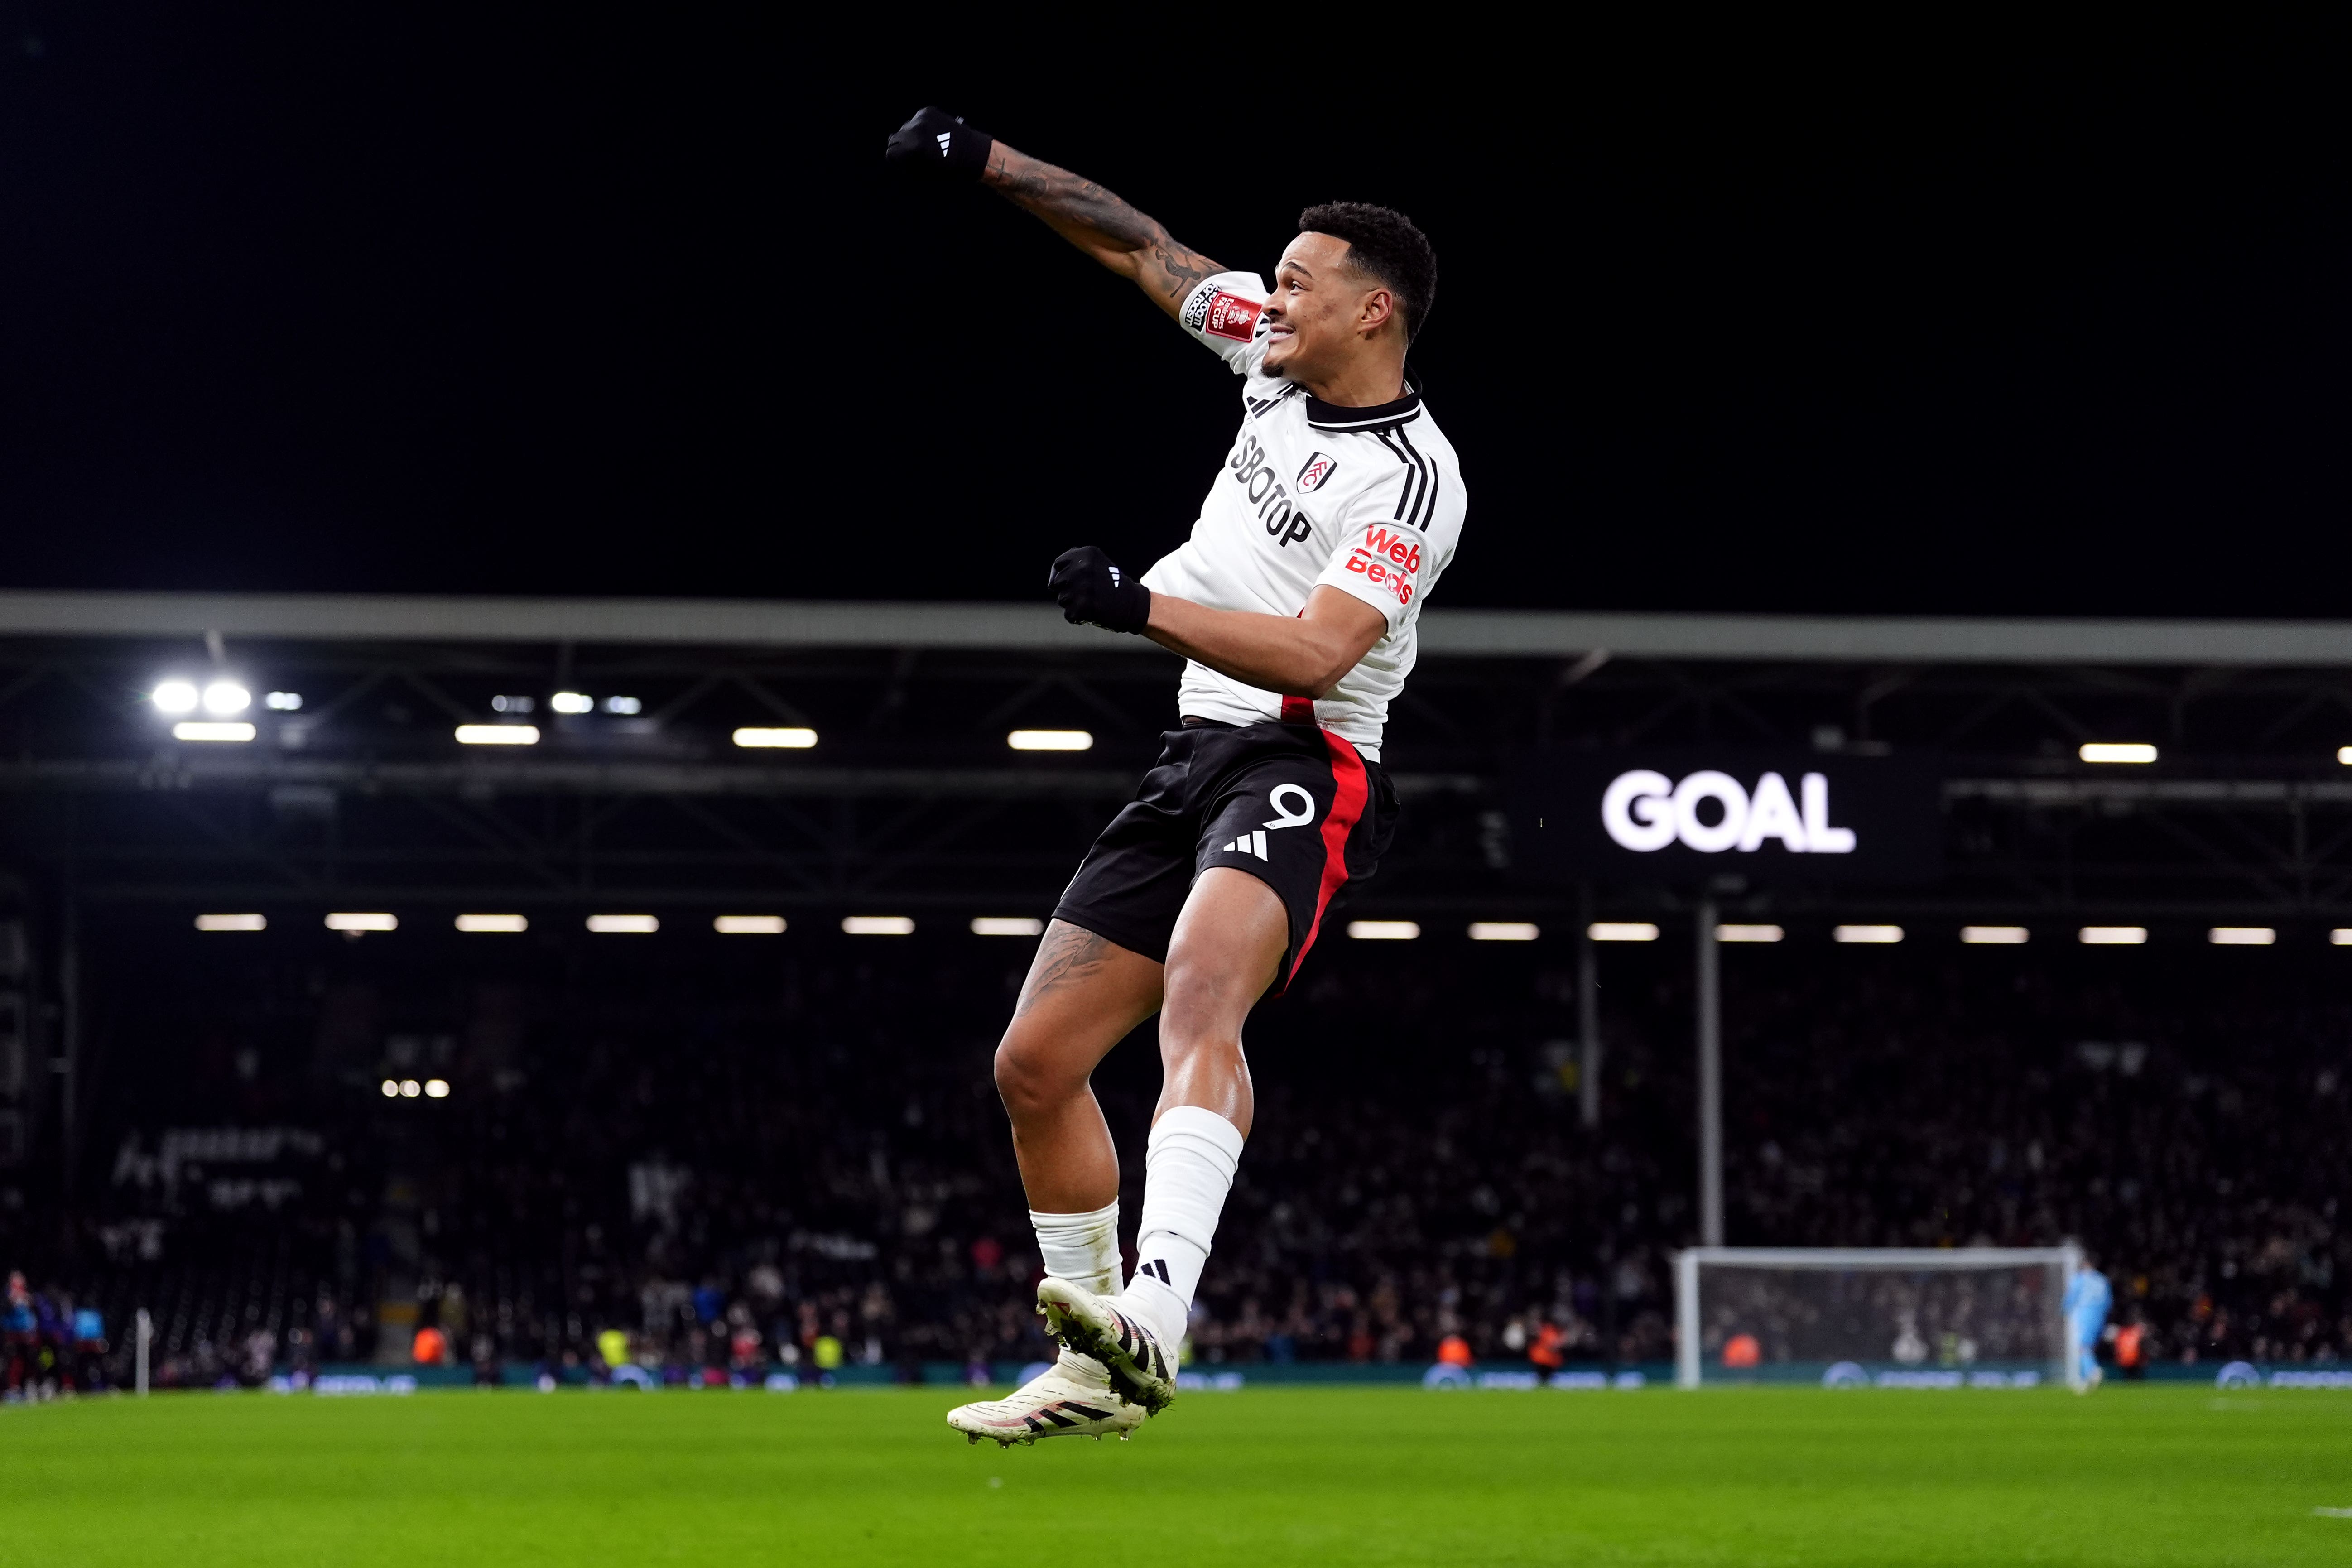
[1883, 1316]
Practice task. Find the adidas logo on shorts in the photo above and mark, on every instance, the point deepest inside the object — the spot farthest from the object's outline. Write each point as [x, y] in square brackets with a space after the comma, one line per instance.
[1251, 843]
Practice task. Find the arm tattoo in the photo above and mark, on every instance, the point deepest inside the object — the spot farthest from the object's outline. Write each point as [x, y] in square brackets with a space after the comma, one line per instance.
[1180, 269]
[1096, 218]
[1069, 956]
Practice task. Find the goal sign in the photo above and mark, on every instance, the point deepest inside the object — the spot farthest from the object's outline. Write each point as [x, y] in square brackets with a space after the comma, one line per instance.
[1682, 813]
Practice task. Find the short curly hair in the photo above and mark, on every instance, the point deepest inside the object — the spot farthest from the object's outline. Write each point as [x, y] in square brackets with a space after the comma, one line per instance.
[1383, 244]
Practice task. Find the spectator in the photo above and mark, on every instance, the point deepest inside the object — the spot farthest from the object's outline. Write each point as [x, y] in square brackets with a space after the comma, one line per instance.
[2131, 1358]
[89, 1348]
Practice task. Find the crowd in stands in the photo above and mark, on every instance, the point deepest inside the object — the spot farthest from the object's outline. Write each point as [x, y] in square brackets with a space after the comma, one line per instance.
[2185, 1120]
[49, 1345]
[808, 1169]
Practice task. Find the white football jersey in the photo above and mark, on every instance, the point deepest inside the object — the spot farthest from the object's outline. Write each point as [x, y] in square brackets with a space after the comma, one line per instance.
[1369, 501]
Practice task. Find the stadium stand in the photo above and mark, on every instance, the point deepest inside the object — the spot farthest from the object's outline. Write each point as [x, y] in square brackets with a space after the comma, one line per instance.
[745, 1155]
[802, 1145]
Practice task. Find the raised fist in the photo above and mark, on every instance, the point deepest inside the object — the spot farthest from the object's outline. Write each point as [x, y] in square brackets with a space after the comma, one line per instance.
[938, 145]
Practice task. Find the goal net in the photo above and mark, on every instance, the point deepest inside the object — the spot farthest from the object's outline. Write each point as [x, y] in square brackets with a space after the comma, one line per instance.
[1977, 1317]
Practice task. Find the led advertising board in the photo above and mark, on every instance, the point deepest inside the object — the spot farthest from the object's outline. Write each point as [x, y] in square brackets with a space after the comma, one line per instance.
[1689, 814]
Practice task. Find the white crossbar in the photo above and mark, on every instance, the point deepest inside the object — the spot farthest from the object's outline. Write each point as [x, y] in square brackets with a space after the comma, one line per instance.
[1884, 1257]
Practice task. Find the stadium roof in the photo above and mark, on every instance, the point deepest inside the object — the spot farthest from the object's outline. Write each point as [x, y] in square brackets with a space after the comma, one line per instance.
[357, 782]
[1456, 632]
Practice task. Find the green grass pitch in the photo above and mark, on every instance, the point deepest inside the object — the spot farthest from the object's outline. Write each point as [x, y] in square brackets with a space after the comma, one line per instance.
[2132, 1476]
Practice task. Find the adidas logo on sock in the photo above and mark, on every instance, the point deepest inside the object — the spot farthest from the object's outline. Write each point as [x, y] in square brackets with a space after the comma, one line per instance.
[1158, 1266]
[943, 143]
[1250, 843]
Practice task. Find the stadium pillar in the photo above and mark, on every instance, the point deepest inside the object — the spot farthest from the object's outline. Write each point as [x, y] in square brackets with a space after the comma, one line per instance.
[69, 1062]
[1710, 1080]
[1587, 1016]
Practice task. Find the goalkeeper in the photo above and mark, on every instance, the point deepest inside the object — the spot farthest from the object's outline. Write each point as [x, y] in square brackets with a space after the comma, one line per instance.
[2088, 1296]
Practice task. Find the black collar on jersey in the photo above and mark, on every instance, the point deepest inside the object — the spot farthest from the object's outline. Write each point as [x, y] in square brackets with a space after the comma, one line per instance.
[1325, 415]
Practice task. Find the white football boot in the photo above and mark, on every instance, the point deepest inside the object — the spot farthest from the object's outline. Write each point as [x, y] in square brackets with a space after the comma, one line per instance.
[1072, 1398]
[1141, 1370]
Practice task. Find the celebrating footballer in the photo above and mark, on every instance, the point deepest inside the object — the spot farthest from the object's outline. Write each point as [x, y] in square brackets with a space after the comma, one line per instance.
[1293, 602]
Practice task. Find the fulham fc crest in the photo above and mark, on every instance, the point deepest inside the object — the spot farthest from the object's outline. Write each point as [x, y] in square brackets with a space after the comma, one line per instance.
[1320, 466]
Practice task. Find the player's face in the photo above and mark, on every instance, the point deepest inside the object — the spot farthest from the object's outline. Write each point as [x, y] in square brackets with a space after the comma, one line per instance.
[1316, 320]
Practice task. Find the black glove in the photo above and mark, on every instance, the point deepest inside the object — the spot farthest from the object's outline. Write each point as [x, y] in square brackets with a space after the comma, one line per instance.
[937, 143]
[1092, 590]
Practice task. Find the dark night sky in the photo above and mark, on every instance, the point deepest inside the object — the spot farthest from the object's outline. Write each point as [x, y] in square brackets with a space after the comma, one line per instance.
[404, 300]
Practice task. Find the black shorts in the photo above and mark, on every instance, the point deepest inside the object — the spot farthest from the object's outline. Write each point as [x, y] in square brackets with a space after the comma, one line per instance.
[1292, 805]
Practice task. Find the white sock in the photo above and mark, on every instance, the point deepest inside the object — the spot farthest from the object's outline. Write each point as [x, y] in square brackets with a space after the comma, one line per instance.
[1082, 1248]
[1188, 1168]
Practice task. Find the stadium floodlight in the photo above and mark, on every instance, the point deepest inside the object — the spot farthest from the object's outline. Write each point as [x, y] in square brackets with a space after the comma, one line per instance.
[226, 696]
[1051, 740]
[2340, 937]
[1383, 930]
[232, 922]
[624, 925]
[175, 697]
[573, 703]
[1867, 933]
[2112, 936]
[498, 734]
[1007, 925]
[283, 701]
[1622, 931]
[1944, 1317]
[352, 924]
[2344, 755]
[748, 925]
[498, 925]
[791, 738]
[392, 1088]
[1995, 936]
[1503, 930]
[877, 925]
[2117, 752]
[513, 704]
[212, 729]
[1749, 933]
[437, 1088]
[2242, 936]
[410, 1089]
[623, 705]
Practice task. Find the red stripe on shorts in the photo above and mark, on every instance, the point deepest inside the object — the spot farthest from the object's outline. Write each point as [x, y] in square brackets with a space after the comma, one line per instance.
[1347, 791]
